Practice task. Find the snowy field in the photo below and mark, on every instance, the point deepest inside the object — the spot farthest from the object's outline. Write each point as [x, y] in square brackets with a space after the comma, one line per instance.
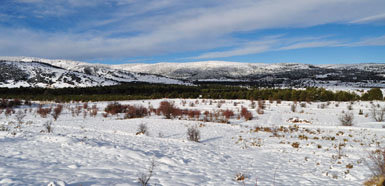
[276, 147]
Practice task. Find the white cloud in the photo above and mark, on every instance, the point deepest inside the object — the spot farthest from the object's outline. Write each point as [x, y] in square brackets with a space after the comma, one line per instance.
[145, 28]
[380, 18]
[280, 44]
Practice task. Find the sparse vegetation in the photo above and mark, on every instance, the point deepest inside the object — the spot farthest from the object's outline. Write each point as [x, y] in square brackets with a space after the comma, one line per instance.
[193, 134]
[347, 119]
[144, 178]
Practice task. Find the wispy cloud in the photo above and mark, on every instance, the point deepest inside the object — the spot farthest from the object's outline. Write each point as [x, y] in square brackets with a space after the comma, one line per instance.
[380, 18]
[280, 44]
[132, 28]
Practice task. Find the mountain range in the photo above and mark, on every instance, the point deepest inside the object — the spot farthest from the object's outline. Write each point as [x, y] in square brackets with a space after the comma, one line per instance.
[38, 72]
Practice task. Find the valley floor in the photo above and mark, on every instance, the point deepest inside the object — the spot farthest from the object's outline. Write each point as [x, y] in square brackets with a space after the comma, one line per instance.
[305, 147]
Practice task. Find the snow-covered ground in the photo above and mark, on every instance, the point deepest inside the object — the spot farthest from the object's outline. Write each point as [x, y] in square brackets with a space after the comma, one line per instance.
[106, 150]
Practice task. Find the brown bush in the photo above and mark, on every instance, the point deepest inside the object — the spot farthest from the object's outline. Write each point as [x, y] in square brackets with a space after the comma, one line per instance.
[57, 111]
[136, 112]
[94, 111]
[115, 108]
[228, 113]
[168, 110]
[246, 114]
[261, 104]
[43, 112]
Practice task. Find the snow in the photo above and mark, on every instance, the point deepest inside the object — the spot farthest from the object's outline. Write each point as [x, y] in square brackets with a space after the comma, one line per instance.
[107, 151]
[101, 74]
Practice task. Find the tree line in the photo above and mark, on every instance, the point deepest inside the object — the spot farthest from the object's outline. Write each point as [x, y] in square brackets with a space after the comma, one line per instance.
[132, 91]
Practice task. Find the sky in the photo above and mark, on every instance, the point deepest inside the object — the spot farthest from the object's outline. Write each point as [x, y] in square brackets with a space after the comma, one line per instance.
[150, 31]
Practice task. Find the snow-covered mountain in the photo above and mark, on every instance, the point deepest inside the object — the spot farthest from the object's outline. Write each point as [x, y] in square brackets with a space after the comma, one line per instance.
[36, 72]
[280, 74]
[39, 72]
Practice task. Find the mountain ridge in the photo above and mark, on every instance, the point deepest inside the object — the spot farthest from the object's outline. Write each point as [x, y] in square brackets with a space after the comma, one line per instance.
[259, 74]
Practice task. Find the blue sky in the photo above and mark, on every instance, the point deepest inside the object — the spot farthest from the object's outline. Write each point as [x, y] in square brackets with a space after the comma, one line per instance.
[136, 31]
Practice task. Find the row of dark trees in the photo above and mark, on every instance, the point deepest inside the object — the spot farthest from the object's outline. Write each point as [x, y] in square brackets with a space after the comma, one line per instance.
[155, 91]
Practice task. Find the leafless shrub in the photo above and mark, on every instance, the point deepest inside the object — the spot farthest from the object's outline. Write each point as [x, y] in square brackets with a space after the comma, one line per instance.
[4, 128]
[142, 129]
[136, 111]
[20, 115]
[293, 107]
[350, 107]
[193, 134]
[168, 109]
[43, 112]
[377, 115]
[115, 108]
[57, 111]
[261, 104]
[346, 119]
[303, 105]
[94, 110]
[85, 105]
[85, 114]
[228, 113]
[9, 111]
[48, 126]
[377, 167]
[144, 179]
[246, 114]
[260, 111]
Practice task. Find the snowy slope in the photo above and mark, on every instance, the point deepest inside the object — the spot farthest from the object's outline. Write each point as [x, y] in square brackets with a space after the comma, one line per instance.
[97, 74]
[84, 150]
[34, 74]
[211, 69]
[260, 74]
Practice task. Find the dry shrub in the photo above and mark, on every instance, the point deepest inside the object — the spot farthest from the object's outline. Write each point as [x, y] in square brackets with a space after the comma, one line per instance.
[303, 105]
[142, 129]
[136, 112]
[295, 145]
[228, 113]
[246, 114]
[346, 119]
[85, 105]
[261, 104]
[43, 112]
[144, 179]
[9, 111]
[115, 108]
[377, 115]
[20, 116]
[193, 134]
[5, 103]
[260, 111]
[252, 105]
[193, 113]
[48, 126]
[168, 110]
[293, 107]
[94, 111]
[57, 111]
[377, 167]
